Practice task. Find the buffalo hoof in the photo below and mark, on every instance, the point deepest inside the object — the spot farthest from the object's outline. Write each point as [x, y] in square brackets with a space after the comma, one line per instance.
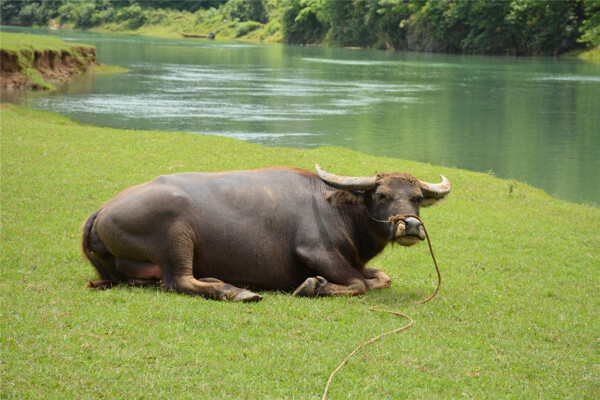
[310, 287]
[101, 285]
[247, 296]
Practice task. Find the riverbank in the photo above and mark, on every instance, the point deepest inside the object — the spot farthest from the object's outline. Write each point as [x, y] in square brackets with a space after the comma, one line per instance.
[592, 55]
[249, 32]
[516, 317]
[41, 62]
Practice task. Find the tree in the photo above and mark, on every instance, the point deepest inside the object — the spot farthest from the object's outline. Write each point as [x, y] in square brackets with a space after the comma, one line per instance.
[481, 27]
[386, 17]
[247, 10]
[304, 22]
[28, 12]
[548, 27]
[182, 5]
[590, 26]
[349, 25]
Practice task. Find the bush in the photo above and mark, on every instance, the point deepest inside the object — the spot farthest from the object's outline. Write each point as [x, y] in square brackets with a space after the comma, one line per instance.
[247, 10]
[302, 24]
[590, 27]
[133, 16]
[244, 28]
[206, 15]
[156, 16]
[82, 15]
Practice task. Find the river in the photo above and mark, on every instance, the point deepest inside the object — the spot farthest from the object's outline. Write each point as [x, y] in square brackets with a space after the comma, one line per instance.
[536, 120]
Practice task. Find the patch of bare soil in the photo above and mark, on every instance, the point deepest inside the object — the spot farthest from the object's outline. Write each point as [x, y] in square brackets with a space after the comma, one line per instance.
[56, 67]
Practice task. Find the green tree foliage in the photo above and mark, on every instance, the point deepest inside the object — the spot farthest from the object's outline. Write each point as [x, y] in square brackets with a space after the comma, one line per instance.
[543, 27]
[349, 26]
[28, 12]
[247, 10]
[182, 5]
[590, 27]
[455, 26]
[385, 18]
[461, 26]
[304, 22]
[84, 14]
[495, 27]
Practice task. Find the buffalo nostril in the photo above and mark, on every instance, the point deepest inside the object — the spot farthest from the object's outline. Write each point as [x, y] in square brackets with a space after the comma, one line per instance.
[414, 228]
[412, 224]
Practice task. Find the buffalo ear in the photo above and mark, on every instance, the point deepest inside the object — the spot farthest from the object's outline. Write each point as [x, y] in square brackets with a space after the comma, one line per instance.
[430, 201]
[339, 197]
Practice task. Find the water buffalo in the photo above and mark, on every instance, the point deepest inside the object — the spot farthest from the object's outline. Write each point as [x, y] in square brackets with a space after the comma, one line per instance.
[266, 229]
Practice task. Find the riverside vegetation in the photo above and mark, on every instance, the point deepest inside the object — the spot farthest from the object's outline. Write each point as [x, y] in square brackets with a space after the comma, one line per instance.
[517, 315]
[520, 27]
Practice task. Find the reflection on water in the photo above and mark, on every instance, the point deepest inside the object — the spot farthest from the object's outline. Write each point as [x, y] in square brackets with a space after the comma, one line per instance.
[199, 94]
[532, 119]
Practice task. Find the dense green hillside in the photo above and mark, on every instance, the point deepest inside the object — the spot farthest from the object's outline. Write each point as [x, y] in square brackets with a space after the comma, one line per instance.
[518, 27]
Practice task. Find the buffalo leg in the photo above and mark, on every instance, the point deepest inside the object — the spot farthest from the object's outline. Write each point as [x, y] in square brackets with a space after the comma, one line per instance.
[101, 285]
[142, 270]
[177, 273]
[335, 276]
[376, 279]
[319, 286]
[213, 290]
[143, 282]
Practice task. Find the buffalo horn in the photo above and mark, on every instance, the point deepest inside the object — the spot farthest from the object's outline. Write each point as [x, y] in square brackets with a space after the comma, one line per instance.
[437, 190]
[346, 182]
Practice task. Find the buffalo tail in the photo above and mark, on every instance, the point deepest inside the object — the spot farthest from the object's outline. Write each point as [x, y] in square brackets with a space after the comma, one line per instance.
[107, 278]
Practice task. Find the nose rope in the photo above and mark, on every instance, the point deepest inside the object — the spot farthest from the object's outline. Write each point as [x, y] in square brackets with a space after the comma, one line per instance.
[437, 268]
[399, 219]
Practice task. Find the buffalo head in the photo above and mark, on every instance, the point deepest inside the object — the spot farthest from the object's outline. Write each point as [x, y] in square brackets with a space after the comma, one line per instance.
[386, 196]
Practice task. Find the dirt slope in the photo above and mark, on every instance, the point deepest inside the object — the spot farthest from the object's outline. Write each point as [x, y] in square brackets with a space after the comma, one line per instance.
[24, 68]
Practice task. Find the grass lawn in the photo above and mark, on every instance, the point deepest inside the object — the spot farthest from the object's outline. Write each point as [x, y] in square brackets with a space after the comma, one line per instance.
[24, 42]
[518, 315]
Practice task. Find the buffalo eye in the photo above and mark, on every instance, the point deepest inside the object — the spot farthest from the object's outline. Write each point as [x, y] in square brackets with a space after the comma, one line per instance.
[420, 199]
[382, 197]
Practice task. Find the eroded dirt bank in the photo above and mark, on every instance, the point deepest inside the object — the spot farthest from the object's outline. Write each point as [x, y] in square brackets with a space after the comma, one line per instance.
[41, 69]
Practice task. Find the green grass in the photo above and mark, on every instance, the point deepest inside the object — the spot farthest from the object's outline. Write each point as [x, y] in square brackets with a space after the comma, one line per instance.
[20, 41]
[518, 315]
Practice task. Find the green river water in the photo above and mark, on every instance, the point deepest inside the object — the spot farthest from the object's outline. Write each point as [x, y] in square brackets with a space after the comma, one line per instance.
[532, 119]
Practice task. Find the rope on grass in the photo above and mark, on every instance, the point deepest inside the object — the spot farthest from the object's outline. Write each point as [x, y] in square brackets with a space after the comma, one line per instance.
[366, 343]
[398, 219]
